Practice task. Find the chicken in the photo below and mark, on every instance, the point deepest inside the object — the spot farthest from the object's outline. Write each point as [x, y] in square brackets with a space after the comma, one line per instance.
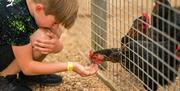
[161, 9]
[153, 65]
[140, 24]
[163, 19]
[111, 54]
[150, 63]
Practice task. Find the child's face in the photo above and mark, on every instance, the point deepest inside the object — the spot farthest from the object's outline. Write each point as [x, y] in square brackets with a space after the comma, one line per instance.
[43, 20]
[46, 21]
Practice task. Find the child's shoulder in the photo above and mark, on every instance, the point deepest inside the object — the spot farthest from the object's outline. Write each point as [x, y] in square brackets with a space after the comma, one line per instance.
[15, 21]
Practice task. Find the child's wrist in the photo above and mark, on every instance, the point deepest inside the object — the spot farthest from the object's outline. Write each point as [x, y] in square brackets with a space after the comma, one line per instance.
[74, 66]
[70, 67]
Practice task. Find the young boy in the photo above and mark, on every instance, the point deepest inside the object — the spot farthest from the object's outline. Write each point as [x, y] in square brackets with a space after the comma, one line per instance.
[17, 25]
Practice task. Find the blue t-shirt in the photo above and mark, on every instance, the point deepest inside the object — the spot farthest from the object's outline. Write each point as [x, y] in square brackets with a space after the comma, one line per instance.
[16, 23]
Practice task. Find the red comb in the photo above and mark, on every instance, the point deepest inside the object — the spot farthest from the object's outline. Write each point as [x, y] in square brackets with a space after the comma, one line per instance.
[94, 58]
[147, 16]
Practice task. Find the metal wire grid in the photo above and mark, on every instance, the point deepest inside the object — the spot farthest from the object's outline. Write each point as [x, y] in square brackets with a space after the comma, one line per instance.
[114, 20]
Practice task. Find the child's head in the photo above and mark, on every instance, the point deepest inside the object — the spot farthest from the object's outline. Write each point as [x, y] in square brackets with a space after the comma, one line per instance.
[50, 13]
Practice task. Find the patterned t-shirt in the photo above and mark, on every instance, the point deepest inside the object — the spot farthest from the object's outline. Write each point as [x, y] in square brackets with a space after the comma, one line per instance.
[16, 23]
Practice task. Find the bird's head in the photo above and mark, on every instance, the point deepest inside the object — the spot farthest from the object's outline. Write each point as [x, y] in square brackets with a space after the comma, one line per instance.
[95, 57]
[142, 22]
[156, 3]
[160, 2]
[146, 19]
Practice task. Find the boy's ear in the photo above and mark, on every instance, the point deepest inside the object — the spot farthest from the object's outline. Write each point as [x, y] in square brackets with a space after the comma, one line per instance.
[39, 7]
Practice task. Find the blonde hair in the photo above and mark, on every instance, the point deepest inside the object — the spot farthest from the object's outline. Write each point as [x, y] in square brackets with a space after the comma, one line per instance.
[65, 11]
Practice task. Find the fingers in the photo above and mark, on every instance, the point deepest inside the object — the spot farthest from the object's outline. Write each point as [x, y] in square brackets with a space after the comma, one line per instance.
[43, 45]
[93, 68]
[86, 74]
[90, 66]
[47, 46]
[43, 48]
[86, 71]
[46, 41]
[52, 35]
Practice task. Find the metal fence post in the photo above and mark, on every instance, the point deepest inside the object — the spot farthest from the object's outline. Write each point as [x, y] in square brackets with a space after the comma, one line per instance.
[99, 26]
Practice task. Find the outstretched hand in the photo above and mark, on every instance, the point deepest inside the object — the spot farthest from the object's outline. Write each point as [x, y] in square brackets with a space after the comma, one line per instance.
[86, 71]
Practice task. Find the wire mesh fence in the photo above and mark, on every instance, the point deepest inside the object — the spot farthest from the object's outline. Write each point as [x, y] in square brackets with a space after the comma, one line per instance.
[139, 41]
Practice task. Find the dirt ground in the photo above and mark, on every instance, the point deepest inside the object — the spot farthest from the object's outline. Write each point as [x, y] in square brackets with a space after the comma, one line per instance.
[77, 43]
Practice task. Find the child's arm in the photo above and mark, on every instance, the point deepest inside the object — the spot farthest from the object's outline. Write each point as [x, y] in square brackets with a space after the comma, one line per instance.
[32, 67]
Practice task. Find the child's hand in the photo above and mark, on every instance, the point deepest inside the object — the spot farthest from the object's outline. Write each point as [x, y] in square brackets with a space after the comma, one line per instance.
[46, 46]
[85, 71]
